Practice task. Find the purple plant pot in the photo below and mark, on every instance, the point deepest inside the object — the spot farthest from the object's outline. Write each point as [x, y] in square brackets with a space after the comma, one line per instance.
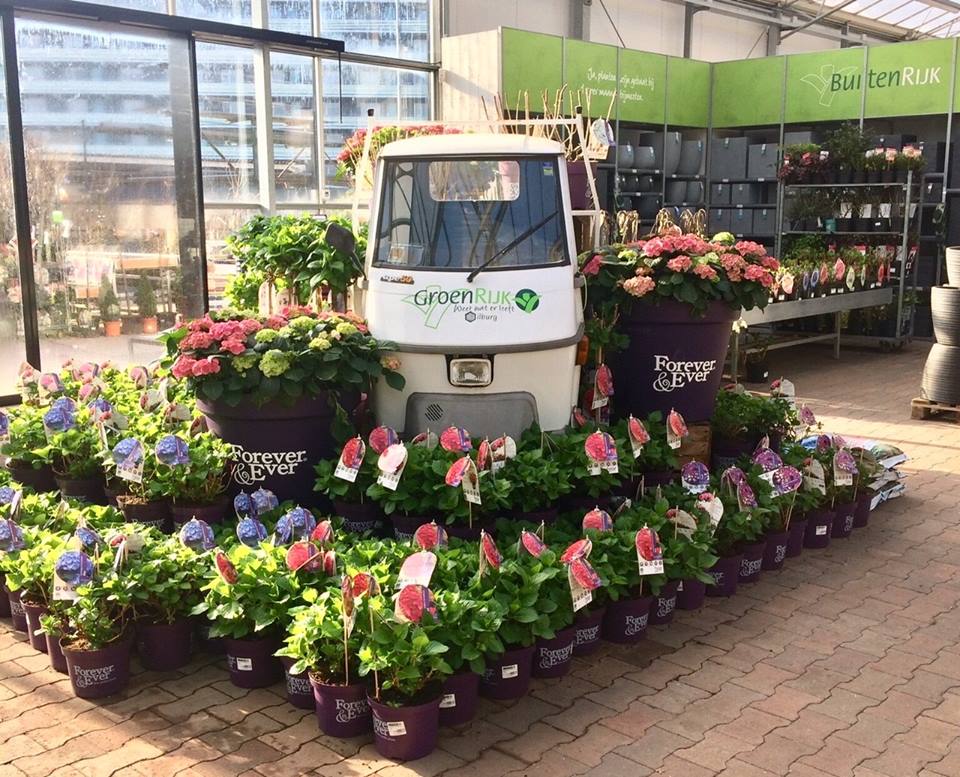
[58, 661]
[155, 514]
[579, 184]
[582, 504]
[458, 704]
[691, 594]
[39, 479]
[819, 528]
[664, 604]
[470, 533]
[359, 518]
[674, 359]
[342, 710]
[751, 561]
[651, 480]
[89, 490]
[299, 689]
[798, 530]
[405, 733]
[508, 677]
[587, 624]
[210, 513]
[726, 575]
[844, 520]
[861, 516]
[277, 443]
[17, 612]
[33, 613]
[251, 662]
[536, 517]
[725, 452]
[207, 643]
[98, 673]
[164, 647]
[775, 551]
[552, 657]
[405, 525]
[4, 597]
[625, 621]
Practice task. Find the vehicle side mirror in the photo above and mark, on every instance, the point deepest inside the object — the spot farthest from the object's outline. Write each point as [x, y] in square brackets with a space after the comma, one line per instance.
[340, 238]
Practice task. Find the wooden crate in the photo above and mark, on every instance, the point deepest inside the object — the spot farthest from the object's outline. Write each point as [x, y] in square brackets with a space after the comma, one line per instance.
[924, 409]
[697, 444]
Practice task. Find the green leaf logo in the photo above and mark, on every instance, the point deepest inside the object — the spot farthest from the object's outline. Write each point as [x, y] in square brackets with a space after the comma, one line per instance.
[527, 300]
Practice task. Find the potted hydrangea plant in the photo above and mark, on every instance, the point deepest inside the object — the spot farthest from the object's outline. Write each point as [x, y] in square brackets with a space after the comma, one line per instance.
[73, 447]
[198, 487]
[23, 448]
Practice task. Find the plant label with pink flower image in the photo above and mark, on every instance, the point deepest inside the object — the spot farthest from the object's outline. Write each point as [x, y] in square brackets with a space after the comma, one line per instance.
[413, 603]
[601, 450]
[430, 536]
[351, 457]
[455, 440]
[639, 436]
[427, 439]
[382, 438]
[490, 556]
[712, 507]
[503, 449]
[417, 569]
[602, 387]
[583, 581]
[814, 476]
[676, 429]
[649, 552]
[391, 464]
[844, 468]
[348, 605]
[531, 543]
[746, 498]
[683, 522]
[598, 520]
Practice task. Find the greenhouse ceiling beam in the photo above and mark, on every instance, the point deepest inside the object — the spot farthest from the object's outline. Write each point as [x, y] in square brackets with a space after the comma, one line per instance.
[817, 19]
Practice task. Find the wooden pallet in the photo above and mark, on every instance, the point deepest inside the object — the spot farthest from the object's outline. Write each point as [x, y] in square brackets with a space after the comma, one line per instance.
[697, 444]
[924, 409]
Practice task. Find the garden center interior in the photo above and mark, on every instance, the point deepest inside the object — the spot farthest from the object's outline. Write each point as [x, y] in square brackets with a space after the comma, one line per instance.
[518, 387]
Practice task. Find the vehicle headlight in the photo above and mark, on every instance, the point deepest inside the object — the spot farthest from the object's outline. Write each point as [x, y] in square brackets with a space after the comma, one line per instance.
[471, 372]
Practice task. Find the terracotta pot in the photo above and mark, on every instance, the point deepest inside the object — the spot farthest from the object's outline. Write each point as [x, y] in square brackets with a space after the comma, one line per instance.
[458, 704]
[508, 677]
[588, 624]
[155, 514]
[33, 613]
[98, 673]
[40, 479]
[342, 710]
[408, 732]
[552, 657]
[164, 647]
[150, 325]
[664, 604]
[112, 328]
[211, 513]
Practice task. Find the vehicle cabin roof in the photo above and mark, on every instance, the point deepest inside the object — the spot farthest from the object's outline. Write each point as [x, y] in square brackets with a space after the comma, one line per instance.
[472, 144]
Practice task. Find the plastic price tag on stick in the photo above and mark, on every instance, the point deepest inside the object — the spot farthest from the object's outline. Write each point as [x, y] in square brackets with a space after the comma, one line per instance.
[128, 456]
[601, 450]
[814, 476]
[676, 429]
[348, 465]
[417, 569]
[391, 464]
[713, 507]
[71, 570]
[639, 436]
[602, 387]
[649, 552]
[504, 448]
[583, 581]
[844, 468]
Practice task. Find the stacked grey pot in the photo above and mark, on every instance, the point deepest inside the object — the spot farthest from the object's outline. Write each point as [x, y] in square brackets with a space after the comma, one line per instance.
[941, 373]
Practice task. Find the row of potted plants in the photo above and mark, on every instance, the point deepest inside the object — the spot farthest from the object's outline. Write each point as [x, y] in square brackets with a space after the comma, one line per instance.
[812, 269]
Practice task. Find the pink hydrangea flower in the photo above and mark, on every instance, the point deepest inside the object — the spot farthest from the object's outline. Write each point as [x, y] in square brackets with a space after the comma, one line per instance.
[234, 346]
[276, 322]
[770, 263]
[654, 247]
[639, 285]
[749, 248]
[250, 325]
[593, 266]
[680, 263]
[183, 366]
[208, 366]
[194, 340]
[200, 324]
[705, 271]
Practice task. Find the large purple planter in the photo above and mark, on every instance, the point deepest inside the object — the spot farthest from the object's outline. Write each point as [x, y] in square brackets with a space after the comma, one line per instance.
[674, 360]
[98, 673]
[861, 516]
[587, 624]
[664, 604]
[251, 662]
[58, 661]
[164, 647]
[579, 184]
[212, 513]
[724, 452]
[819, 528]
[798, 530]
[691, 594]
[359, 518]
[775, 551]
[552, 657]
[33, 613]
[405, 733]
[276, 444]
[458, 704]
[752, 561]
[299, 690]
[625, 621]
[155, 514]
[342, 710]
[39, 479]
[726, 575]
[17, 613]
[508, 677]
[4, 597]
[844, 520]
[89, 490]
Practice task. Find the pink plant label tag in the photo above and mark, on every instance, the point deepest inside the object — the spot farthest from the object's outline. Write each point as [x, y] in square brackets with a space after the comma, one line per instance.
[391, 464]
[580, 595]
[649, 552]
[348, 466]
[417, 569]
[602, 387]
[844, 468]
[601, 450]
[639, 436]
[503, 448]
[712, 507]
[676, 429]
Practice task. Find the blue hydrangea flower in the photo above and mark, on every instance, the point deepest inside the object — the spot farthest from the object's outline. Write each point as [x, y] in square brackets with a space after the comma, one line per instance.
[89, 539]
[6, 495]
[302, 521]
[244, 505]
[4, 424]
[251, 532]
[74, 567]
[99, 406]
[264, 500]
[283, 532]
[128, 449]
[57, 419]
[65, 403]
[173, 451]
[197, 535]
[11, 537]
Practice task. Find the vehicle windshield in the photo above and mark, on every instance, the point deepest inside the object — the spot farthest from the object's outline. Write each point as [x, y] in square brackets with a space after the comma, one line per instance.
[459, 214]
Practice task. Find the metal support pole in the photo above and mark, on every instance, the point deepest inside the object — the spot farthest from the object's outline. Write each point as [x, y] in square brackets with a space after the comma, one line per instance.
[689, 11]
[263, 102]
[577, 10]
[773, 39]
[837, 327]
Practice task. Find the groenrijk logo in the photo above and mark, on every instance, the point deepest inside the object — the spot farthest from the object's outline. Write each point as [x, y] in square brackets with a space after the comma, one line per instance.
[831, 80]
[475, 303]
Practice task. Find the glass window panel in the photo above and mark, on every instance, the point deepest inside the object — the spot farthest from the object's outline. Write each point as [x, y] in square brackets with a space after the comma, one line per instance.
[12, 350]
[221, 266]
[294, 128]
[228, 122]
[291, 16]
[392, 28]
[157, 6]
[233, 11]
[104, 204]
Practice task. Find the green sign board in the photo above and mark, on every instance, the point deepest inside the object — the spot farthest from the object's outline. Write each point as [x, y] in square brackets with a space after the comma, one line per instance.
[909, 79]
[747, 92]
[642, 86]
[688, 92]
[591, 69]
[531, 65]
[816, 86]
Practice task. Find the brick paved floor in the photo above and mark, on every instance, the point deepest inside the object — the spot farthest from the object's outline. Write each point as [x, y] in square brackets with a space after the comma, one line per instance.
[846, 663]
